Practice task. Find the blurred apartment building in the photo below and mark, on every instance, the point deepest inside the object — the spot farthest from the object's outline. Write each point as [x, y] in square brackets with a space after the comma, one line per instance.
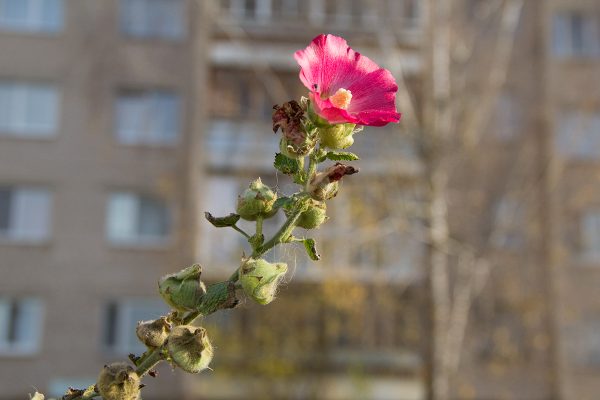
[122, 120]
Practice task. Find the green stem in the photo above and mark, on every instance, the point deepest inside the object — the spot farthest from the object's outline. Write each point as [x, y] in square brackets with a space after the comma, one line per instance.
[259, 224]
[312, 168]
[283, 232]
[240, 231]
[153, 358]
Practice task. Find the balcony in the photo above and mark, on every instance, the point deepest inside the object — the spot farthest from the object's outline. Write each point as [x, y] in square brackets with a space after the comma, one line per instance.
[251, 145]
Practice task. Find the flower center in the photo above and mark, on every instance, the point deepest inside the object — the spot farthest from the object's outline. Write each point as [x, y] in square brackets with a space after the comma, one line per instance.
[341, 98]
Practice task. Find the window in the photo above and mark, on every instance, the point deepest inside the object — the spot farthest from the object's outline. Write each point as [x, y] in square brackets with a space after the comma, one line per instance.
[31, 15]
[590, 235]
[153, 18]
[578, 134]
[20, 326]
[509, 219]
[137, 219]
[148, 117]
[121, 318]
[25, 214]
[28, 109]
[576, 34]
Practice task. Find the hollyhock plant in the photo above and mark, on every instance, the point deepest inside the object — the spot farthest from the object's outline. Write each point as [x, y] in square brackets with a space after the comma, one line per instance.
[345, 86]
[346, 90]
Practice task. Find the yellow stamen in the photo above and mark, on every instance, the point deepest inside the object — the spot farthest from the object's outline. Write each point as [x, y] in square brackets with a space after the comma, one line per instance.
[341, 98]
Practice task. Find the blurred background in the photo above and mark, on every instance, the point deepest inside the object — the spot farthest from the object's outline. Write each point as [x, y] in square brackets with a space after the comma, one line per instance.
[461, 263]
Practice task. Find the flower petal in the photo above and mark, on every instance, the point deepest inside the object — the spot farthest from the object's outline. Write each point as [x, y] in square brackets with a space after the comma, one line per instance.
[330, 64]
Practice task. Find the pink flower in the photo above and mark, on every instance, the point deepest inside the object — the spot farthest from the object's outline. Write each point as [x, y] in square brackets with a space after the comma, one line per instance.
[345, 86]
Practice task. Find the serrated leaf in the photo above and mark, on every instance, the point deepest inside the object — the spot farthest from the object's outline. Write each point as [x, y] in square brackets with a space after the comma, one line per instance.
[285, 164]
[222, 222]
[309, 245]
[341, 156]
[320, 155]
[300, 177]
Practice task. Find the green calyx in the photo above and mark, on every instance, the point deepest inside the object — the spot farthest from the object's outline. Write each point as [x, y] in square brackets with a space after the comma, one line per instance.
[313, 217]
[118, 381]
[260, 278]
[189, 348]
[183, 290]
[153, 333]
[257, 200]
[338, 136]
[292, 150]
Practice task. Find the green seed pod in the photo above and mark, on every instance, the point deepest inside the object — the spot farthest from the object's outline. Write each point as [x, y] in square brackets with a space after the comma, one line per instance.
[153, 333]
[259, 279]
[257, 200]
[183, 290]
[189, 348]
[118, 381]
[292, 150]
[313, 217]
[337, 136]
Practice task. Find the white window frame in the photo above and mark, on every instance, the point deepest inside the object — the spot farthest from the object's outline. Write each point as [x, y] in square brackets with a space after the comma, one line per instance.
[148, 100]
[20, 97]
[34, 21]
[562, 34]
[135, 239]
[142, 16]
[125, 341]
[19, 230]
[31, 345]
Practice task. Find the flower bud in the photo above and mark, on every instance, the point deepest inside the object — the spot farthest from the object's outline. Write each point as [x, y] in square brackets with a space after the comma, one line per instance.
[324, 185]
[338, 136]
[153, 333]
[183, 290]
[257, 200]
[118, 381]
[189, 348]
[260, 278]
[313, 217]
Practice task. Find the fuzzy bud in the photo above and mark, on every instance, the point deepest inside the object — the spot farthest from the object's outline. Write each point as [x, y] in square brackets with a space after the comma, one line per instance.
[118, 381]
[259, 279]
[189, 348]
[153, 333]
[338, 136]
[324, 185]
[183, 290]
[257, 200]
[313, 217]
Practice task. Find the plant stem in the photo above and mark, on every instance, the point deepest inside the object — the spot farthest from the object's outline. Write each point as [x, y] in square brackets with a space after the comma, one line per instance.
[312, 168]
[259, 225]
[240, 231]
[282, 234]
[153, 358]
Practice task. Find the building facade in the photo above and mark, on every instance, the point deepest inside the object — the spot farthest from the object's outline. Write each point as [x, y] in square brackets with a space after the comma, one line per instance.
[121, 121]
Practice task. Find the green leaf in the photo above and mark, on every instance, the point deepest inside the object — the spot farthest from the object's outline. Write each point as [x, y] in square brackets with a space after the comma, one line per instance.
[341, 156]
[283, 202]
[286, 165]
[222, 222]
[320, 155]
[309, 245]
[300, 177]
